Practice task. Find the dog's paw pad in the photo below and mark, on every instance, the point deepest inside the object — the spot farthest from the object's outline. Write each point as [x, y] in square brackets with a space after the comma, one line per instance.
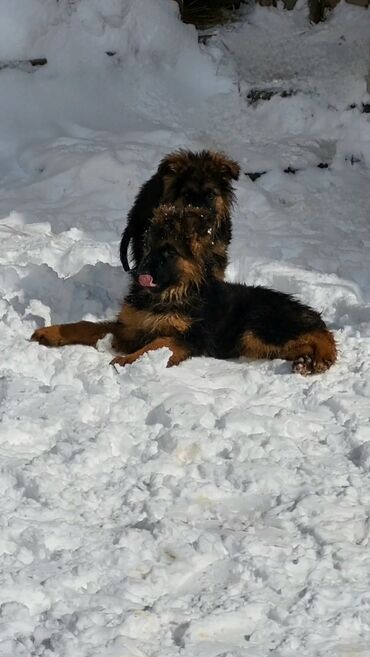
[303, 365]
[322, 366]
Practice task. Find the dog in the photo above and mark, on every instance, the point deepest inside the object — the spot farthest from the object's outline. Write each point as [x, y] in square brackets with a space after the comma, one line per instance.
[202, 179]
[177, 301]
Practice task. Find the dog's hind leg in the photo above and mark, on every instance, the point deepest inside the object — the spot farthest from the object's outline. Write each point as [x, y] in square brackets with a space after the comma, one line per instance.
[322, 354]
[85, 333]
[311, 353]
[179, 352]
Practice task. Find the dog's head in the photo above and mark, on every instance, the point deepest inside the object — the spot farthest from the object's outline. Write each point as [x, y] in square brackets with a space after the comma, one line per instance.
[177, 251]
[200, 179]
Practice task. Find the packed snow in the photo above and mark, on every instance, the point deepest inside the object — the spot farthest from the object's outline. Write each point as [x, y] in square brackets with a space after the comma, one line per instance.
[217, 509]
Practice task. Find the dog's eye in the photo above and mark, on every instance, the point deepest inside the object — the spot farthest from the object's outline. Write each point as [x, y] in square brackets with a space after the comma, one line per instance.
[210, 195]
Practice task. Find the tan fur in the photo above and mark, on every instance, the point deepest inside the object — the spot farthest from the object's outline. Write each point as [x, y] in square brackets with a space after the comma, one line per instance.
[179, 353]
[85, 333]
[134, 320]
[319, 346]
[191, 272]
[186, 233]
[176, 293]
[222, 208]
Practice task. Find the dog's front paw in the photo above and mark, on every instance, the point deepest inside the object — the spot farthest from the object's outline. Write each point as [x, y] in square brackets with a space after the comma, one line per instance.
[122, 360]
[49, 336]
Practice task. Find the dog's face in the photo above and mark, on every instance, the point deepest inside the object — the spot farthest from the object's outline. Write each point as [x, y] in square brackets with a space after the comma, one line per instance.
[202, 180]
[175, 250]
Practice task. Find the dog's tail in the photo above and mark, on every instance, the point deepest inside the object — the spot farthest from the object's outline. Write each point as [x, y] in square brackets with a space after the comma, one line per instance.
[123, 249]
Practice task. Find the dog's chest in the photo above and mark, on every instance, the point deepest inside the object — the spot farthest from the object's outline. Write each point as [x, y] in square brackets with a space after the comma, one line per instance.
[136, 321]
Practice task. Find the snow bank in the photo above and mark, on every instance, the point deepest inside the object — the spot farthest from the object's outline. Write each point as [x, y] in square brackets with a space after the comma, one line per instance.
[218, 508]
[156, 72]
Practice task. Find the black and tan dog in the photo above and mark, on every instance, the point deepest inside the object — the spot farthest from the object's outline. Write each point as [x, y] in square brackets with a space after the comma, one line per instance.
[176, 301]
[185, 178]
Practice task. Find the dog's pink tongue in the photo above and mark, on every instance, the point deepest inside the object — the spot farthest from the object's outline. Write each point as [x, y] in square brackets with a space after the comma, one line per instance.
[146, 280]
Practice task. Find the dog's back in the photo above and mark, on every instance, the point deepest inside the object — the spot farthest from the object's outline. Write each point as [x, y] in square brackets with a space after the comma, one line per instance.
[230, 310]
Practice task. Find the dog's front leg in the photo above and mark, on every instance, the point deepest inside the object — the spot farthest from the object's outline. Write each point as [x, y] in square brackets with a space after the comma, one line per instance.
[179, 352]
[85, 333]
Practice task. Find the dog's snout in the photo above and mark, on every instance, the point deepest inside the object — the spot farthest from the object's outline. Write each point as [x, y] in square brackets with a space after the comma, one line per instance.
[200, 199]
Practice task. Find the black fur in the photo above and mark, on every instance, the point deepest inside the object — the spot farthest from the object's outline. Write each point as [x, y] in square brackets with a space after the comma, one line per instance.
[148, 198]
[222, 313]
[184, 178]
[222, 320]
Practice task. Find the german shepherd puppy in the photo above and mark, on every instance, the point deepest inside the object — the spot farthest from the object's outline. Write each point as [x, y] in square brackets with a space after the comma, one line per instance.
[176, 301]
[184, 178]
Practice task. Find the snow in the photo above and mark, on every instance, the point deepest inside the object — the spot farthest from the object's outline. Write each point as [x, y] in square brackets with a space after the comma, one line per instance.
[218, 508]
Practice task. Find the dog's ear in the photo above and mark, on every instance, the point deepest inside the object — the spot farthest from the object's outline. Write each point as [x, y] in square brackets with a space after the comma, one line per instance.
[173, 163]
[233, 169]
[228, 168]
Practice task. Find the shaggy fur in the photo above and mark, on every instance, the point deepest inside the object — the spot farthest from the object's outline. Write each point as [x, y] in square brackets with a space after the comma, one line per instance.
[176, 301]
[185, 178]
